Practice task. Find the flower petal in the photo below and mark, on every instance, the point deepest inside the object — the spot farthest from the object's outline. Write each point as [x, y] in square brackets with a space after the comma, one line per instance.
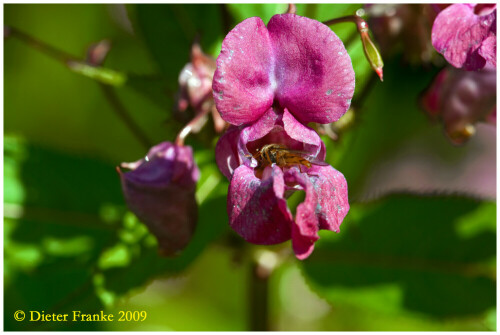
[331, 189]
[305, 229]
[458, 34]
[165, 163]
[314, 74]
[311, 141]
[258, 130]
[243, 86]
[488, 50]
[256, 208]
[226, 152]
[284, 129]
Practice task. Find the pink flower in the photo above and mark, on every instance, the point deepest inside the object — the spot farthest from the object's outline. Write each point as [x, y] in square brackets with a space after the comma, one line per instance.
[269, 82]
[465, 34]
[160, 190]
[460, 99]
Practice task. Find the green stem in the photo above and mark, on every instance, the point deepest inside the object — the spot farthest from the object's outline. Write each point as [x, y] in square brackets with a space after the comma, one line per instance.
[259, 296]
[102, 75]
[39, 45]
[360, 23]
[188, 128]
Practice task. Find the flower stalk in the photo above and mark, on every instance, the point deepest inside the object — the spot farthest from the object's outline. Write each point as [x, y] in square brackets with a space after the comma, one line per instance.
[259, 297]
[292, 9]
[371, 52]
[192, 126]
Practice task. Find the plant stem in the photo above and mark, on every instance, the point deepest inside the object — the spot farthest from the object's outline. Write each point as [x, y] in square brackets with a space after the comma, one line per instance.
[68, 60]
[259, 296]
[188, 128]
[360, 23]
[292, 9]
[39, 45]
[121, 111]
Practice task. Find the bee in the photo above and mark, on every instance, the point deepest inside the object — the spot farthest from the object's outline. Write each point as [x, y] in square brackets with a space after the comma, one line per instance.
[284, 157]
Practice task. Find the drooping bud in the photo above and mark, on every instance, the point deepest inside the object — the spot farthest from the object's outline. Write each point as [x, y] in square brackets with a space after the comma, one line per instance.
[371, 52]
[195, 89]
[160, 191]
[97, 52]
[460, 99]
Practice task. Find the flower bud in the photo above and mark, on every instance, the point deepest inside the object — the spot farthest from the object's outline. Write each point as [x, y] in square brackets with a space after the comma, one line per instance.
[160, 191]
[371, 52]
[195, 90]
[97, 52]
[195, 79]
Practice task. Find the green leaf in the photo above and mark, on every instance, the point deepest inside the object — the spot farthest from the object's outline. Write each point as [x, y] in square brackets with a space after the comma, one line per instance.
[408, 255]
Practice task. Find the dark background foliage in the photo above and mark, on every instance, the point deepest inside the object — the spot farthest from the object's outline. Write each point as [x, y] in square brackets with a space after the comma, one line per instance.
[402, 261]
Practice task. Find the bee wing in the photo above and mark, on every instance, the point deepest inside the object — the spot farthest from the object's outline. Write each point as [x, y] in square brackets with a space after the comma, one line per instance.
[307, 156]
[315, 161]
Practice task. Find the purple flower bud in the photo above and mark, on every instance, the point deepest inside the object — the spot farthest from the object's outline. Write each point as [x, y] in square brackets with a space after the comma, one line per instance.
[97, 52]
[195, 80]
[160, 190]
[460, 99]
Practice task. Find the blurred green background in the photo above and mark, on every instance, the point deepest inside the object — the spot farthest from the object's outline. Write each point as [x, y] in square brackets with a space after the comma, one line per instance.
[401, 262]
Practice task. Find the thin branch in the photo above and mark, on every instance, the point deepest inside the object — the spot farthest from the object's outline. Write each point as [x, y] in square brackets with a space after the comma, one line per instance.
[360, 23]
[39, 45]
[70, 61]
[187, 129]
[121, 111]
